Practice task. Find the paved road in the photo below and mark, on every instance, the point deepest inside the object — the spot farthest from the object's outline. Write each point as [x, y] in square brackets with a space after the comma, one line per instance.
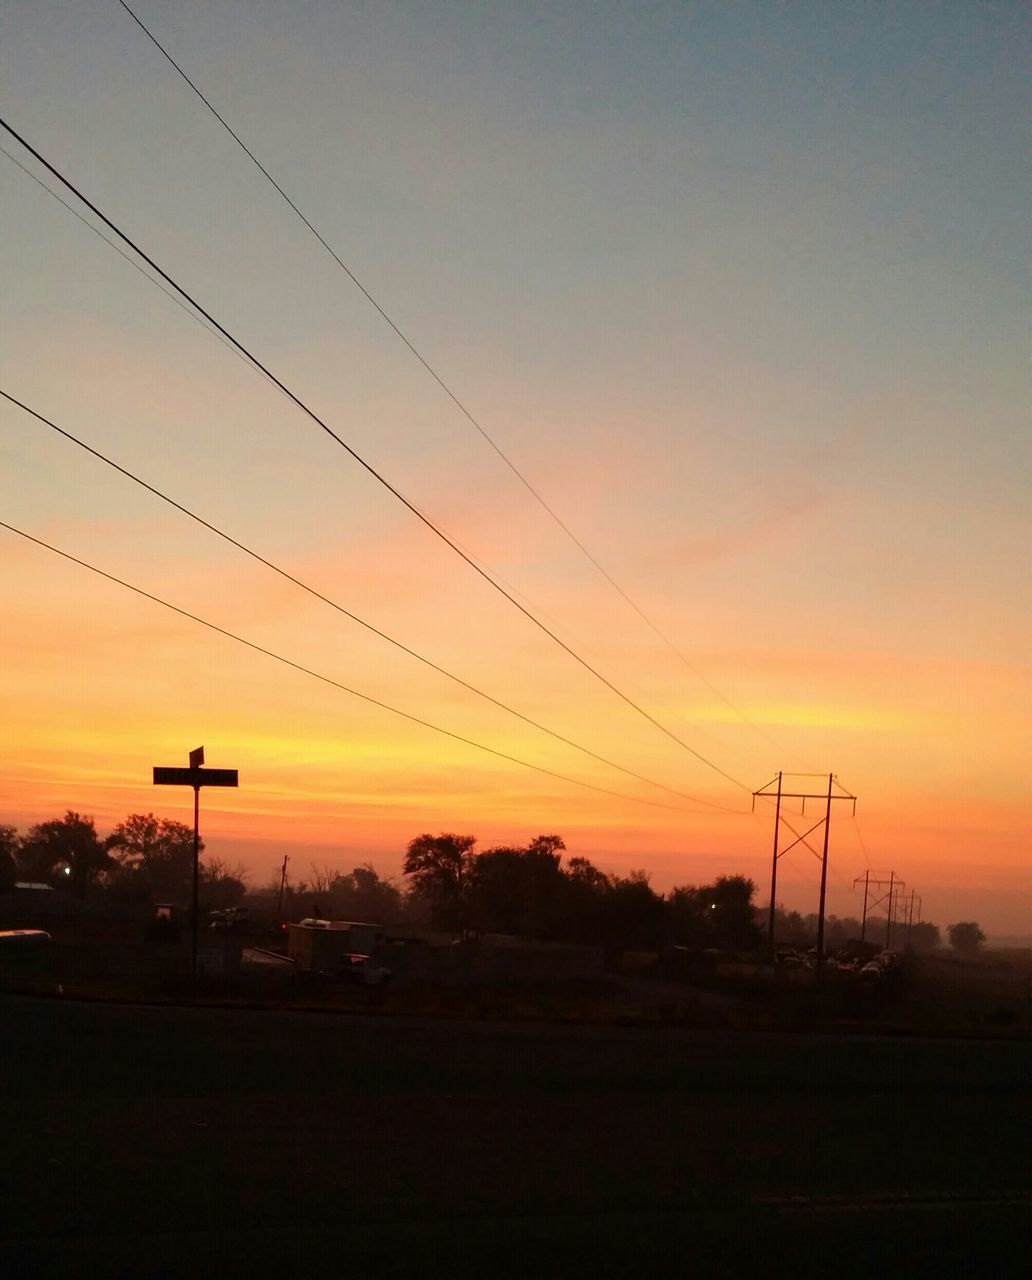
[163, 1141]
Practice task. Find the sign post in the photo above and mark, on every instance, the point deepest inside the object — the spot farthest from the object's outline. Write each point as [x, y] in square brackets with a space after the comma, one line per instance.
[195, 776]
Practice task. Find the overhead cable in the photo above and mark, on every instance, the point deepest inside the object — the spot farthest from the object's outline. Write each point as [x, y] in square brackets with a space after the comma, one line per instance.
[317, 675]
[131, 261]
[367, 466]
[467, 413]
[333, 604]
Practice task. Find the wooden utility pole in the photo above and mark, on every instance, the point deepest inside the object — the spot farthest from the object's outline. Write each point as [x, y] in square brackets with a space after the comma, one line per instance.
[282, 886]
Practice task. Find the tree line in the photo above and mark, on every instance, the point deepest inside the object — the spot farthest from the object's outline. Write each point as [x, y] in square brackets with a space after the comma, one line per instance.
[528, 891]
[522, 890]
[144, 859]
[792, 929]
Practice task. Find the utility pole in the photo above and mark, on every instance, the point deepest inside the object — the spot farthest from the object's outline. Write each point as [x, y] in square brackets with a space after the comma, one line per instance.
[824, 878]
[282, 886]
[774, 872]
[867, 886]
[828, 796]
[894, 885]
[909, 916]
[915, 905]
[194, 908]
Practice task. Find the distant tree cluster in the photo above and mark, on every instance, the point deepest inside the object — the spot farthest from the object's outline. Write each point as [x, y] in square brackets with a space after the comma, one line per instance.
[966, 938]
[529, 892]
[791, 929]
[145, 859]
[359, 894]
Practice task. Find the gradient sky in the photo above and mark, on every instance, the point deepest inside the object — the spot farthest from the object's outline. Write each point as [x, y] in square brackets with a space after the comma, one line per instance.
[742, 289]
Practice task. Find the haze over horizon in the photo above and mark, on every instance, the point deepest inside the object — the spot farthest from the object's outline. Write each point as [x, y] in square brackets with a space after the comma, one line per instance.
[741, 290]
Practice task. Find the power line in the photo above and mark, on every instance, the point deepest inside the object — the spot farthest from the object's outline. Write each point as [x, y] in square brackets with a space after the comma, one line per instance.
[205, 326]
[444, 386]
[283, 573]
[860, 839]
[122, 254]
[367, 466]
[246, 363]
[317, 675]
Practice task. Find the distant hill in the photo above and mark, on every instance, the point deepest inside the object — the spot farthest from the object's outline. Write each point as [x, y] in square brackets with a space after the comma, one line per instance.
[1024, 941]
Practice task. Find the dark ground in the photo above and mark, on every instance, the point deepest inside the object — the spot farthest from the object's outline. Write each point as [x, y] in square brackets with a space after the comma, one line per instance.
[167, 1141]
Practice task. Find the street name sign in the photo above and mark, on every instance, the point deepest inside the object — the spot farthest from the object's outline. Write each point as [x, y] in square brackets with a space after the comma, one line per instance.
[194, 776]
[178, 777]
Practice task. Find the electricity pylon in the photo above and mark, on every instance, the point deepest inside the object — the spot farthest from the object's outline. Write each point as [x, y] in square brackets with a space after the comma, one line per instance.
[778, 796]
[894, 886]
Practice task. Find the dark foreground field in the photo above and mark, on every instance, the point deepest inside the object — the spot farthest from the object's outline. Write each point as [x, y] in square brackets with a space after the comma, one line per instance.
[165, 1141]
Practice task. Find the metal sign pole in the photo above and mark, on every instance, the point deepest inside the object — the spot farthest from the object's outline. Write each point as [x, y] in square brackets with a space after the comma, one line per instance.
[196, 876]
[195, 776]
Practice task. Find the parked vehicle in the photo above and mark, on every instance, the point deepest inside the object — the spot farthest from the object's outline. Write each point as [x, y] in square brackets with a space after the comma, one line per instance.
[231, 920]
[363, 970]
[22, 941]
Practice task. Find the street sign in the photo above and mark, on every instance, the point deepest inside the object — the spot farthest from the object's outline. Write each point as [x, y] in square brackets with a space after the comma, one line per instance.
[195, 777]
[175, 777]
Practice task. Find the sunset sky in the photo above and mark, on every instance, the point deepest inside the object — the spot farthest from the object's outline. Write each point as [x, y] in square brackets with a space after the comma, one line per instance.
[742, 290]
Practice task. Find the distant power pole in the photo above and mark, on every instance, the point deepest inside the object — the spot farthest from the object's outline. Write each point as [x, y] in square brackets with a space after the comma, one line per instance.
[915, 904]
[824, 876]
[867, 887]
[908, 916]
[894, 886]
[282, 886]
[892, 908]
[773, 870]
[835, 791]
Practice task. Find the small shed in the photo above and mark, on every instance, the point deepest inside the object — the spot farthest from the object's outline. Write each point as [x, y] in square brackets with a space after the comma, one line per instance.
[321, 944]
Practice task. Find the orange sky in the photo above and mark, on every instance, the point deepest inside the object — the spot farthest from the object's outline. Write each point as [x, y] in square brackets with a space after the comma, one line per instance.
[754, 332]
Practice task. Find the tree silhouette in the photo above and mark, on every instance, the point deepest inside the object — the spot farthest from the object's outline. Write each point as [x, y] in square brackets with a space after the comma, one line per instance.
[925, 936]
[520, 890]
[441, 871]
[153, 857]
[8, 857]
[719, 915]
[966, 938]
[362, 894]
[732, 923]
[633, 914]
[585, 892]
[65, 848]
[221, 886]
[687, 911]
